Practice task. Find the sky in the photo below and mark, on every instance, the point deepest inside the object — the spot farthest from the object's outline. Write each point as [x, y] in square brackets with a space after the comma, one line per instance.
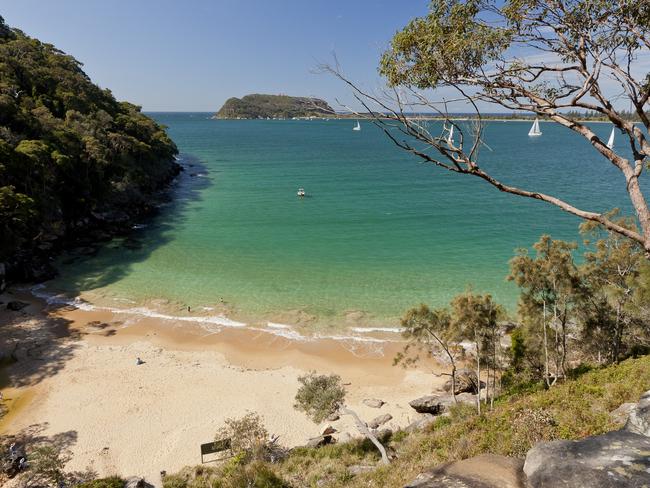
[192, 55]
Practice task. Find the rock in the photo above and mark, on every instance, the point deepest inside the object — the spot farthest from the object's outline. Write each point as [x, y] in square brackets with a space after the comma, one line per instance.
[381, 420]
[638, 421]
[356, 469]
[321, 440]
[420, 423]
[344, 437]
[16, 305]
[3, 275]
[373, 402]
[333, 417]
[612, 460]
[136, 482]
[466, 382]
[433, 404]
[485, 471]
[621, 414]
[329, 430]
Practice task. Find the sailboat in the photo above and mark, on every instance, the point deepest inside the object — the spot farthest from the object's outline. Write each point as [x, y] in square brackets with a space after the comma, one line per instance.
[450, 137]
[357, 127]
[610, 142]
[534, 130]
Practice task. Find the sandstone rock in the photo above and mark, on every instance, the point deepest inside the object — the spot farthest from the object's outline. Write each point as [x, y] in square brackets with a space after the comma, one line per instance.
[321, 440]
[485, 471]
[356, 469]
[333, 417]
[16, 305]
[612, 460]
[344, 437]
[373, 402]
[381, 420]
[466, 382]
[639, 418]
[421, 422]
[329, 430]
[621, 414]
[432, 404]
[136, 482]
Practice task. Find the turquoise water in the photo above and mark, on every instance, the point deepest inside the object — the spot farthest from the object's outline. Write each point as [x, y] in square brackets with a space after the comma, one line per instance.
[379, 232]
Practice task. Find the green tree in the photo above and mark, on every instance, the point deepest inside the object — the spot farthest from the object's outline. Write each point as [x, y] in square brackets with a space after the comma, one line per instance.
[550, 284]
[543, 57]
[319, 396]
[476, 318]
[613, 272]
[430, 331]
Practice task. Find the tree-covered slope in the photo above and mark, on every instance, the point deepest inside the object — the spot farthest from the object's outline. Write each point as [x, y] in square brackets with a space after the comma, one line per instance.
[274, 106]
[69, 152]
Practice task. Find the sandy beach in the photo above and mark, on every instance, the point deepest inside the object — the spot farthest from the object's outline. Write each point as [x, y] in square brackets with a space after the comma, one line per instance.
[76, 383]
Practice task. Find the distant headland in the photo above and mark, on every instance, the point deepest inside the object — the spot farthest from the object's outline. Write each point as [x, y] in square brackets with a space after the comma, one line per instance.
[257, 106]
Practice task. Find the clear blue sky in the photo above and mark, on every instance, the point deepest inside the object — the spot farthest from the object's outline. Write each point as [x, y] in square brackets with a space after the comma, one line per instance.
[194, 54]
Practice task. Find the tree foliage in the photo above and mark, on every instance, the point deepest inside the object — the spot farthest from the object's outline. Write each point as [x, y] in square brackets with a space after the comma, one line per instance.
[67, 147]
[319, 396]
[553, 59]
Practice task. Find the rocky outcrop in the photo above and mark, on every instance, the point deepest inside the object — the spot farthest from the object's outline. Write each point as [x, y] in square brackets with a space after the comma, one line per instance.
[16, 305]
[258, 106]
[373, 402]
[381, 420]
[466, 382]
[437, 404]
[638, 421]
[421, 422]
[486, 471]
[433, 404]
[612, 460]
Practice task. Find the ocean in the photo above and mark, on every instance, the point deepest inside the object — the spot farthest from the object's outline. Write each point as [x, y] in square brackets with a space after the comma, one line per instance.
[378, 232]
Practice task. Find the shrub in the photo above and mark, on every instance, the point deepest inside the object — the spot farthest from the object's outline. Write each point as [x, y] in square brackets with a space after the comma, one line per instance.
[249, 439]
[319, 395]
[111, 482]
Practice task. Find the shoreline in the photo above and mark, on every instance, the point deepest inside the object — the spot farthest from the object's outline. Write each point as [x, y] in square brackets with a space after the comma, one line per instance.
[76, 379]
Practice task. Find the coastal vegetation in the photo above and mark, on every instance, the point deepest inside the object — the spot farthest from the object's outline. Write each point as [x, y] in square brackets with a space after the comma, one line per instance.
[258, 106]
[72, 158]
[574, 409]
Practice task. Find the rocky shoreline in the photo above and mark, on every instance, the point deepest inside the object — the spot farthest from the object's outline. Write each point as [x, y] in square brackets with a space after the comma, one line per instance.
[35, 263]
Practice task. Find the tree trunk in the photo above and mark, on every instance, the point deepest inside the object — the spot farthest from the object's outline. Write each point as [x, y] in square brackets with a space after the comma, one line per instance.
[478, 374]
[546, 378]
[363, 428]
[618, 334]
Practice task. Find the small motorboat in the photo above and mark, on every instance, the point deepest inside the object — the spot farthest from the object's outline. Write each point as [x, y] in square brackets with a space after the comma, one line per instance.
[301, 192]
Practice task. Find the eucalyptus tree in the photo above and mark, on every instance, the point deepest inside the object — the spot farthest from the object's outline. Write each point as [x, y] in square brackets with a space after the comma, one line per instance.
[476, 317]
[614, 271]
[433, 332]
[550, 283]
[549, 58]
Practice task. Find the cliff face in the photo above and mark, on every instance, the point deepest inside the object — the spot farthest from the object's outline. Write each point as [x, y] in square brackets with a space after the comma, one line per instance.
[273, 106]
[72, 158]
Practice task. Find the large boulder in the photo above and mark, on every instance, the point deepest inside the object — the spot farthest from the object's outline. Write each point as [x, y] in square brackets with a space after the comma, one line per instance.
[639, 418]
[612, 460]
[421, 422]
[433, 404]
[16, 305]
[373, 402]
[381, 420]
[466, 382]
[485, 471]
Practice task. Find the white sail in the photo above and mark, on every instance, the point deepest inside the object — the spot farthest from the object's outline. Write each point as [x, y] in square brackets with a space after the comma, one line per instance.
[357, 127]
[534, 130]
[450, 137]
[610, 143]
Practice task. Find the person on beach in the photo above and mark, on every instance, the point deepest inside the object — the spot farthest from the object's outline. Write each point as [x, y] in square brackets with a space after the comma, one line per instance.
[139, 361]
[189, 309]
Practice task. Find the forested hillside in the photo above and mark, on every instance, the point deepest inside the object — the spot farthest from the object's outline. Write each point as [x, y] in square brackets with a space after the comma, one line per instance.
[71, 156]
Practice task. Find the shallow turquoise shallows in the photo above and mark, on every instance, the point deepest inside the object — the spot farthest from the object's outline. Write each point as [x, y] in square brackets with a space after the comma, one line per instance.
[378, 232]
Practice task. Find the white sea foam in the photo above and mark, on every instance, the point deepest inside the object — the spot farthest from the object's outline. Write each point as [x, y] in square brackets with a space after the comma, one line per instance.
[52, 299]
[212, 324]
[366, 330]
